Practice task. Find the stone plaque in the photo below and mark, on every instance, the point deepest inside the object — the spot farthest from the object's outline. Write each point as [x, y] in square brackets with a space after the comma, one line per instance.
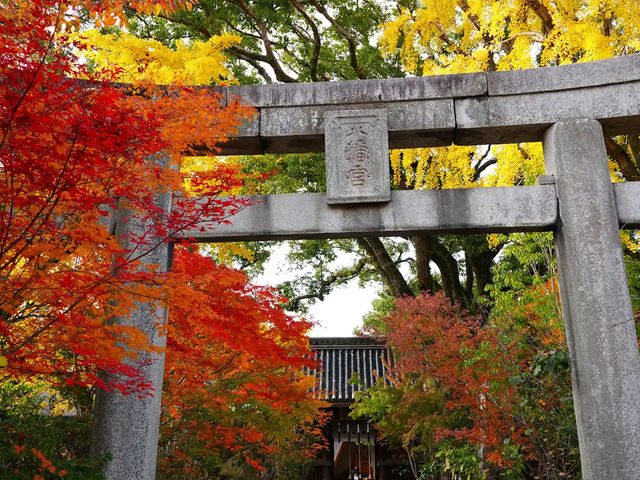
[357, 156]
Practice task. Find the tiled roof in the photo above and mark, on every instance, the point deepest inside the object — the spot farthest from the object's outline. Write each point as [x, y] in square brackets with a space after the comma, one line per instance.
[342, 357]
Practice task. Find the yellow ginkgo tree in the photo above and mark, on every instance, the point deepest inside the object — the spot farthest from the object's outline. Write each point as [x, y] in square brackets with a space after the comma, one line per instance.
[459, 36]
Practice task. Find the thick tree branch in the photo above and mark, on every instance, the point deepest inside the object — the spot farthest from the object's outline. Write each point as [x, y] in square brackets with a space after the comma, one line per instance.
[633, 144]
[259, 68]
[422, 245]
[448, 267]
[468, 284]
[607, 24]
[385, 266]
[270, 56]
[335, 278]
[479, 168]
[543, 14]
[488, 39]
[624, 161]
[315, 55]
[353, 57]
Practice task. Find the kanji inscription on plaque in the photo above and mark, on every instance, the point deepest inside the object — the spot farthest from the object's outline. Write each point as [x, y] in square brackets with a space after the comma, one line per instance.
[357, 156]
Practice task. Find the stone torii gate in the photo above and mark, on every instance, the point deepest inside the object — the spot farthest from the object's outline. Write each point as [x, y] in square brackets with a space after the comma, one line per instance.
[570, 109]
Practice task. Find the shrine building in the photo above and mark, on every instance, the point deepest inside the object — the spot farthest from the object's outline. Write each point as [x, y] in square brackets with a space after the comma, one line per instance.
[349, 365]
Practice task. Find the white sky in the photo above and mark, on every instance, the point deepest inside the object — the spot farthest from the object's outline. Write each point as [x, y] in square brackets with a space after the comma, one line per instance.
[339, 313]
[342, 310]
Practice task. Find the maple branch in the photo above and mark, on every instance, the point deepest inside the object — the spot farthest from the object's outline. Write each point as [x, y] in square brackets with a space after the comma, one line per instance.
[14, 110]
[5, 233]
[48, 202]
[50, 323]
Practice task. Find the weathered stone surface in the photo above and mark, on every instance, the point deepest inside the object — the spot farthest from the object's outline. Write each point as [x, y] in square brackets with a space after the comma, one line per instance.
[247, 141]
[514, 107]
[603, 348]
[627, 196]
[361, 91]
[546, 180]
[578, 75]
[471, 210]
[525, 117]
[357, 156]
[411, 124]
[127, 426]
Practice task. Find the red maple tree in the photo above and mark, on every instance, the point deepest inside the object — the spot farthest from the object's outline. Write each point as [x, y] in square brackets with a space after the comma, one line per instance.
[73, 146]
[453, 377]
[233, 377]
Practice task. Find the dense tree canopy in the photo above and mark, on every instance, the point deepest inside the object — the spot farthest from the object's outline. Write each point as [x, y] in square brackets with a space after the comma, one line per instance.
[73, 151]
[288, 41]
[514, 357]
[481, 399]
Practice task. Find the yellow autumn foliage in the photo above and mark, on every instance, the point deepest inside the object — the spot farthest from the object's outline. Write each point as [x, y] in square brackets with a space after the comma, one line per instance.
[454, 36]
[193, 63]
[459, 36]
[225, 252]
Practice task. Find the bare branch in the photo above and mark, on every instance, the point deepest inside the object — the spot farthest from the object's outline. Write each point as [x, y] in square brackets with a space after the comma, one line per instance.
[347, 36]
[315, 55]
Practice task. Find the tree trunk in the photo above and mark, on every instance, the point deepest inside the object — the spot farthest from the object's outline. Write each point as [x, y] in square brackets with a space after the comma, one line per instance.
[422, 245]
[385, 266]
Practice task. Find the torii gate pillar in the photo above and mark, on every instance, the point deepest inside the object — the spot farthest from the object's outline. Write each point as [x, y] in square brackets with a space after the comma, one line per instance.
[126, 426]
[603, 349]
